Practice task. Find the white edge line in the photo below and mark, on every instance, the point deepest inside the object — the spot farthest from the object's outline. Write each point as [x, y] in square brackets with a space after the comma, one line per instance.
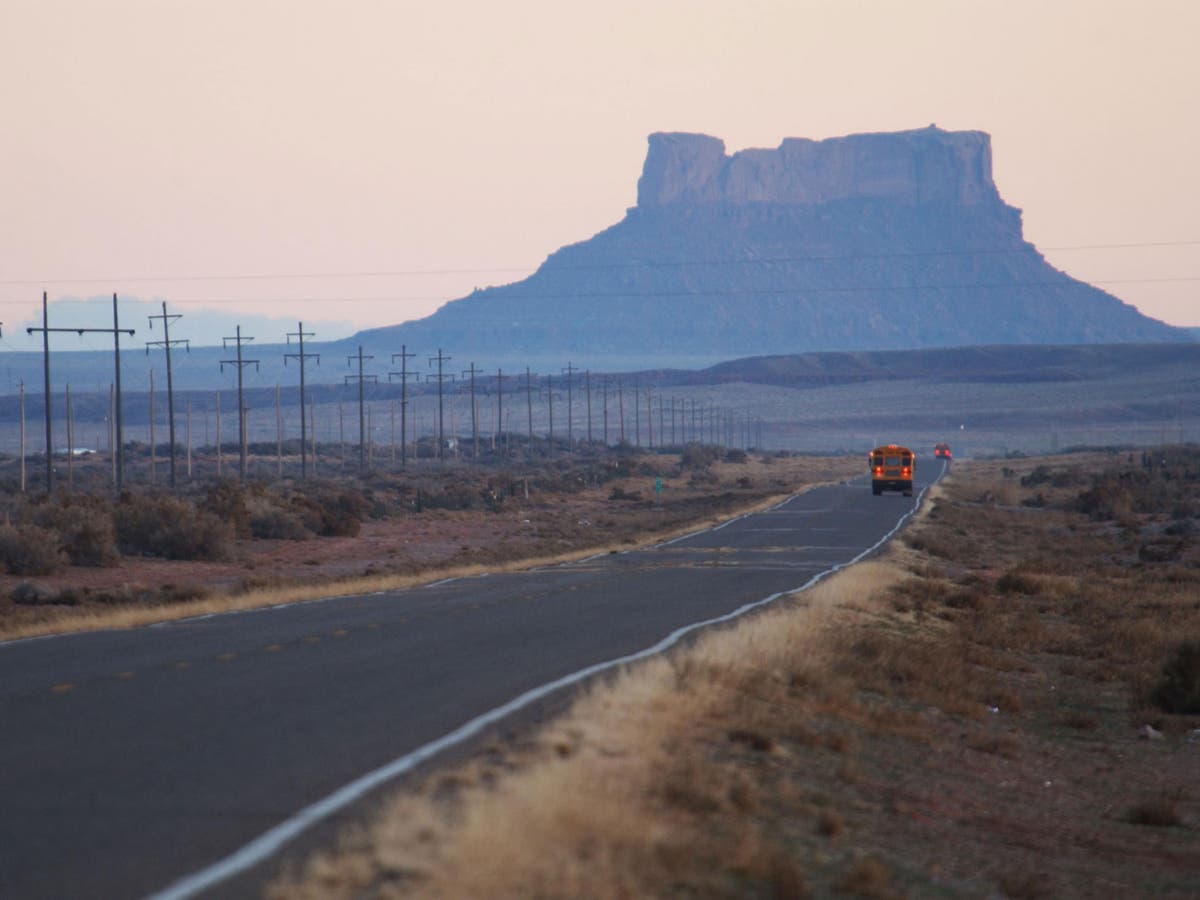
[684, 537]
[266, 844]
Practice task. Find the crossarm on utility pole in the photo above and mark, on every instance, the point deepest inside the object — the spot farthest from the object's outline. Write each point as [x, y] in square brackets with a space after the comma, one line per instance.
[302, 357]
[166, 343]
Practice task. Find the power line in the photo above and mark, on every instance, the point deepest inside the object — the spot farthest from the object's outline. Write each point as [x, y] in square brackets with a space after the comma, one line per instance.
[394, 273]
[1066, 282]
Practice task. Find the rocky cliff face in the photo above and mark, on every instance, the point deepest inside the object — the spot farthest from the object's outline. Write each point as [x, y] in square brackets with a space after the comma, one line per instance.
[910, 167]
[867, 242]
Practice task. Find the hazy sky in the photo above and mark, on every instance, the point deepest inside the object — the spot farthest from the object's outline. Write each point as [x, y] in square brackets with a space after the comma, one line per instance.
[388, 156]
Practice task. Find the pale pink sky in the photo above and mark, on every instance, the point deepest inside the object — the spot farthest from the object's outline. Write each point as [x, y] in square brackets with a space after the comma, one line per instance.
[149, 146]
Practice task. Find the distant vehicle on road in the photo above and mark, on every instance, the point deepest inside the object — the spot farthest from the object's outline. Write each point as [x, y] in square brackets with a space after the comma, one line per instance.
[891, 469]
[942, 451]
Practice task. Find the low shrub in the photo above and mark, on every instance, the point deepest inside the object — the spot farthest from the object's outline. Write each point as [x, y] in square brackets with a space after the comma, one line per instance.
[84, 526]
[183, 593]
[227, 501]
[868, 877]
[1104, 501]
[30, 550]
[1178, 689]
[1016, 582]
[162, 525]
[28, 594]
[1079, 721]
[698, 456]
[270, 521]
[331, 512]
[453, 496]
[1160, 812]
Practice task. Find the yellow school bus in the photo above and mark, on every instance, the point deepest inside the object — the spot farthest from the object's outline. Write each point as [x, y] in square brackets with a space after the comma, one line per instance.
[891, 469]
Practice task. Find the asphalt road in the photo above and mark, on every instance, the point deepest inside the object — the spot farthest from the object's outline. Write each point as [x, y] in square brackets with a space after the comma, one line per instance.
[131, 759]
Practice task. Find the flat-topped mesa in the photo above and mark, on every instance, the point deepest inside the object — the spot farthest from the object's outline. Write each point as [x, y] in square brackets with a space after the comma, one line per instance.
[911, 167]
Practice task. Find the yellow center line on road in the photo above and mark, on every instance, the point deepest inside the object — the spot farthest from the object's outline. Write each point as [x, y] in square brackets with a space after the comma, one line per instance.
[273, 648]
[312, 639]
[183, 664]
[340, 632]
[63, 688]
[125, 676]
[225, 657]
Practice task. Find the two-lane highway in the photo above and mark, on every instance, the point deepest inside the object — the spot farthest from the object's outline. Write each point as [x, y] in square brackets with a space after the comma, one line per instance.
[131, 759]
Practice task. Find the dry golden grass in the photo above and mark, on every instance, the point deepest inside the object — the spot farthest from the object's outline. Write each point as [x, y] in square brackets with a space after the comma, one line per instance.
[951, 723]
[622, 794]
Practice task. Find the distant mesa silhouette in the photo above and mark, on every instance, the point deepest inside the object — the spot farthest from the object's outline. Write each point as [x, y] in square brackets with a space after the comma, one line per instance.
[867, 242]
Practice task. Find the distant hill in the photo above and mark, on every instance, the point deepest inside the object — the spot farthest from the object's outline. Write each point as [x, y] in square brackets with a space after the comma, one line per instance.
[868, 242]
[998, 364]
[201, 327]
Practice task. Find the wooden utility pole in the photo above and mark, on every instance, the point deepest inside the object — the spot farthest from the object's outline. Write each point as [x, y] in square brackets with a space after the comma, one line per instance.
[218, 434]
[474, 412]
[187, 436]
[301, 334]
[45, 330]
[570, 371]
[166, 343]
[621, 408]
[529, 405]
[312, 415]
[499, 410]
[587, 386]
[341, 435]
[637, 416]
[441, 361]
[22, 435]
[241, 364]
[278, 435]
[604, 388]
[550, 401]
[649, 419]
[404, 357]
[112, 450]
[362, 427]
[46, 368]
[152, 448]
[70, 443]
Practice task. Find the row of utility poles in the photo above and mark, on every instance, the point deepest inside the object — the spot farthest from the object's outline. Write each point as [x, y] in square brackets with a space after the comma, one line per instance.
[715, 429]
